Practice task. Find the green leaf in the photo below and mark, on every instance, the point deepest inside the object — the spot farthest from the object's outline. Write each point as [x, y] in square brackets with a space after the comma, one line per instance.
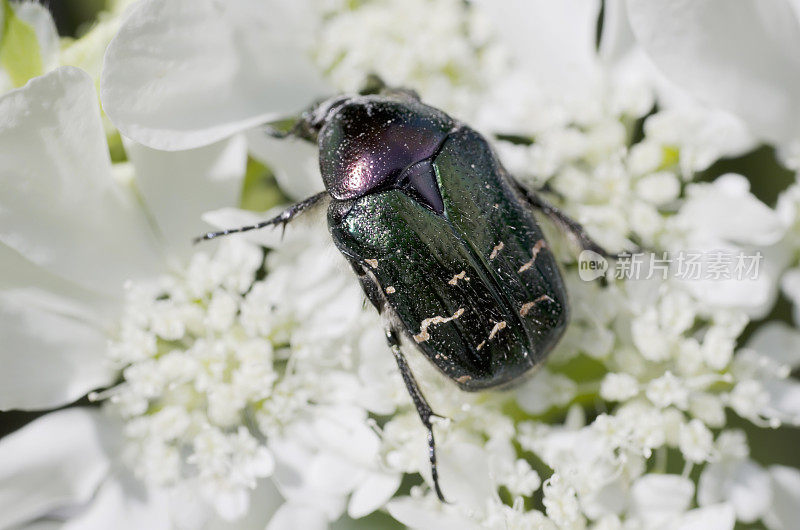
[20, 55]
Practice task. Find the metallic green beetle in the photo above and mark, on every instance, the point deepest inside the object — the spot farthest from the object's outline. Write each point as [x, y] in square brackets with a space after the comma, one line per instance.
[441, 237]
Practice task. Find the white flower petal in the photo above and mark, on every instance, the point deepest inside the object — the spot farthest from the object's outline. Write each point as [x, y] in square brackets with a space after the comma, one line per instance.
[294, 162]
[415, 514]
[778, 341]
[744, 485]
[188, 509]
[293, 476]
[738, 56]
[657, 499]
[617, 38]
[464, 474]
[784, 400]
[123, 503]
[790, 285]
[59, 206]
[785, 510]
[726, 210]
[186, 73]
[42, 23]
[373, 492]
[178, 187]
[291, 516]
[19, 273]
[703, 134]
[724, 221]
[716, 517]
[50, 356]
[55, 462]
[553, 41]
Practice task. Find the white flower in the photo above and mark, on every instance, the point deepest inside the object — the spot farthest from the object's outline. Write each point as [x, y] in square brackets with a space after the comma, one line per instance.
[266, 395]
[546, 390]
[783, 513]
[743, 484]
[659, 500]
[562, 504]
[765, 390]
[72, 237]
[727, 220]
[695, 441]
[667, 390]
[70, 255]
[619, 387]
[739, 58]
[218, 81]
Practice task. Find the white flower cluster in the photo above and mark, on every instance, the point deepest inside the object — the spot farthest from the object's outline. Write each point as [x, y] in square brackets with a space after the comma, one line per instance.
[190, 379]
[218, 367]
[253, 382]
[451, 58]
[660, 355]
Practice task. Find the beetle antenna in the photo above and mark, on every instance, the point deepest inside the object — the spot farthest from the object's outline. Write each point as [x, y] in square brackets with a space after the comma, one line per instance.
[281, 219]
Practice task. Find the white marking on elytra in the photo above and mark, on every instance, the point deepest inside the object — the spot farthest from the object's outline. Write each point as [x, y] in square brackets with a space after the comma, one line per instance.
[481, 345]
[390, 290]
[497, 248]
[460, 276]
[496, 329]
[523, 311]
[372, 263]
[534, 252]
[423, 334]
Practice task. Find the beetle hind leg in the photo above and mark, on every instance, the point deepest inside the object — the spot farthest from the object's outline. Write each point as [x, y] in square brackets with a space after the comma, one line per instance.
[281, 219]
[421, 404]
[563, 221]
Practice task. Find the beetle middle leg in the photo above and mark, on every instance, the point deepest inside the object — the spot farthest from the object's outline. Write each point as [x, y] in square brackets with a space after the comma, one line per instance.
[561, 219]
[423, 409]
[281, 219]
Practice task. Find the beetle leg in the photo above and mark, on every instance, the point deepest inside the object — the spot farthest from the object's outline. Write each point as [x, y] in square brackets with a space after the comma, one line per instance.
[564, 221]
[281, 219]
[423, 409]
[301, 127]
[374, 84]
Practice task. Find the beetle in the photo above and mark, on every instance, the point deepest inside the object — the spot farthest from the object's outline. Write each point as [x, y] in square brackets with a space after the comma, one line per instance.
[441, 237]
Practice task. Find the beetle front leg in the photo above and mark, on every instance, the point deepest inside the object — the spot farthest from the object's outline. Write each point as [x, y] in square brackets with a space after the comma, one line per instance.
[423, 409]
[374, 84]
[281, 219]
[307, 125]
[561, 219]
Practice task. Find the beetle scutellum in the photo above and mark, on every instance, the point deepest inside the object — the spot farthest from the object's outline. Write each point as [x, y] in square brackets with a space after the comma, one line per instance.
[441, 237]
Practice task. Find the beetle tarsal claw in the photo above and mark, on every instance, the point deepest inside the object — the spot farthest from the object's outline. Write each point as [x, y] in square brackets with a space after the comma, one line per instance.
[437, 419]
